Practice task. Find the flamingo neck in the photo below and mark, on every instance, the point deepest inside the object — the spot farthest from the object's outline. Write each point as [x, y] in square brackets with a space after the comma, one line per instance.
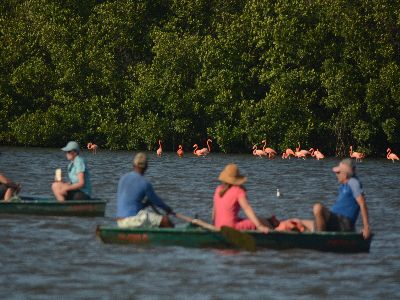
[254, 149]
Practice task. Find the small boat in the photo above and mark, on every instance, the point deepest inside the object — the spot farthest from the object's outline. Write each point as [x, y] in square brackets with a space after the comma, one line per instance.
[196, 237]
[51, 207]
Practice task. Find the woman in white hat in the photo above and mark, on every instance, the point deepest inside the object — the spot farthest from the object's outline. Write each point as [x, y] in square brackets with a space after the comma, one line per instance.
[229, 197]
[79, 186]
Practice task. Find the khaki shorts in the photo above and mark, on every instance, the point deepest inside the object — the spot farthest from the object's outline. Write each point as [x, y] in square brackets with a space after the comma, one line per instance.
[144, 218]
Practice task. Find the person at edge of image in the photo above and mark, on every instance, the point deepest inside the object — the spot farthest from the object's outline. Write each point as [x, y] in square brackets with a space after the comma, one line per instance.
[229, 197]
[350, 201]
[79, 187]
[133, 189]
[8, 188]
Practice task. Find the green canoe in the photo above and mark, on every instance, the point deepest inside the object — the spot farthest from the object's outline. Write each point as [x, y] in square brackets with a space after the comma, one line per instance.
[51, 207]
[199, 238]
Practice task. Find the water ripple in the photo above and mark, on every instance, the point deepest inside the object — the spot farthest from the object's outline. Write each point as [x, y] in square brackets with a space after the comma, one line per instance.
[49, 257]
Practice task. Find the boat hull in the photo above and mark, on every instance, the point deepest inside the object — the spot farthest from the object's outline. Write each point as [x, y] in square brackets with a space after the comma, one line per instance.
[51, 207]
[198, 238]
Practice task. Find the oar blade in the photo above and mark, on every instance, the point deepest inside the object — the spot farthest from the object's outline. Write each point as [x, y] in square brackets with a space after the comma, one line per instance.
[242, 240]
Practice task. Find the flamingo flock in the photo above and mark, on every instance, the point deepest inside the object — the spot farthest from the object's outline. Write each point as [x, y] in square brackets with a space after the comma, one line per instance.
[269, 152]
[198, 152]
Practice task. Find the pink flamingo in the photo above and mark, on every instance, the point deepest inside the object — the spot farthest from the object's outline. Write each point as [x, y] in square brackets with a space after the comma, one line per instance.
[203, 151]
[319, 155]
[180, 151]
[391, 155]
[159, 150]
[301, 153]
[269, 151]
[316, 153]
[92, 147]
[305, 152]
[258, 152]
[357, 155]
[287, 153]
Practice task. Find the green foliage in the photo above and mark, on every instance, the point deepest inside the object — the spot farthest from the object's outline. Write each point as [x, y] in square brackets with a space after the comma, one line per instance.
[125, 74]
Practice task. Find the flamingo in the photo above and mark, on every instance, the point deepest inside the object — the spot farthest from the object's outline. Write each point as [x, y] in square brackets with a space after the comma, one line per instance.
[159, 150]
[92, 147]
[391, 155]
[269, 151]
[258, 152]
[287, 153]
[319, 155]
[180, 151]
[316, 153]
[305, 152]
[357, 155]
[301, 153]
[203, 151]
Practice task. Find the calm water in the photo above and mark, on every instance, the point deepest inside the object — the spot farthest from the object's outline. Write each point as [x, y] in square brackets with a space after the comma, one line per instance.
[49, 257]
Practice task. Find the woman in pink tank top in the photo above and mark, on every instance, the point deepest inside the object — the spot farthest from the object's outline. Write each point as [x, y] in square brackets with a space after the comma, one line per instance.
[229, 197]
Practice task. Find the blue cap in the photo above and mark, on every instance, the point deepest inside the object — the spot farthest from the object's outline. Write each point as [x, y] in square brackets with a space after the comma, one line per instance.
[71, 146]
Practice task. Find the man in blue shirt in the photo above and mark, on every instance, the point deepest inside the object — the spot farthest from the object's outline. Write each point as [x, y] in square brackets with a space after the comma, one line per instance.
[345, 211]
[133, 188]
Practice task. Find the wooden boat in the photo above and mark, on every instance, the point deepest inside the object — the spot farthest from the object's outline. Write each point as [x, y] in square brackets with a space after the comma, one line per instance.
[198, 237]
[51, 207]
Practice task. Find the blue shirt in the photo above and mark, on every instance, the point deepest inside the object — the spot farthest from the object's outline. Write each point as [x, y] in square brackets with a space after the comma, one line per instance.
[346, 204]
[132, 189]
[75, 167]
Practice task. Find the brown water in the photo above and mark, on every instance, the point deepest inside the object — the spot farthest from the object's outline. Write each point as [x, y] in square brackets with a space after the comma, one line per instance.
[60, 257]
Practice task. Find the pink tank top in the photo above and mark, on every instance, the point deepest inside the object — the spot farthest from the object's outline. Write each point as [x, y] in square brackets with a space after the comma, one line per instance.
[226, 208]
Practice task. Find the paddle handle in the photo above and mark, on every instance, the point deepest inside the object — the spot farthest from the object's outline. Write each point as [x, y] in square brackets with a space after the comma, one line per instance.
[197, 222]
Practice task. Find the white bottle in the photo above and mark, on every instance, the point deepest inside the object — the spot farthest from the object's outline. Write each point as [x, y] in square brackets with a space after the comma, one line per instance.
[57, 176]
[278, 193]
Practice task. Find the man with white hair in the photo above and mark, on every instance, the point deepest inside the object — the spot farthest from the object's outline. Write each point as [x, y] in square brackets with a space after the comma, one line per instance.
[345, 211]
[133, 188]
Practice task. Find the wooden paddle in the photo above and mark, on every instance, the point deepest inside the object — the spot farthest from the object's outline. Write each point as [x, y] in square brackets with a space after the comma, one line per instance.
[240, 239]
